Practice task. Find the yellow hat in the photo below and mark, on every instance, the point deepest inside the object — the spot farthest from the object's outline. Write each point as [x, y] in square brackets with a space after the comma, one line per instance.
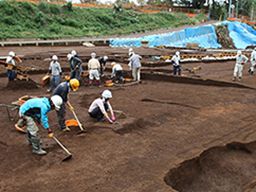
[113, 63]
[74, 84]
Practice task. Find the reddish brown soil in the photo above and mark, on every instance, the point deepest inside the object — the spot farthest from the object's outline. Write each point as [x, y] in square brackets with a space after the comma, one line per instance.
[157, 137]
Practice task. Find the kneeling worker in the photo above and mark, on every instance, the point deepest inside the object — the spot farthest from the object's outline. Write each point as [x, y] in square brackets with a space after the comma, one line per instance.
[99, 107]
[35, 110]
[117, 72]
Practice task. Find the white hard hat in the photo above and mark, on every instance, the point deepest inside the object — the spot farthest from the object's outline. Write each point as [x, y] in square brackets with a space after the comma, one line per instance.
[73, 52]
[105, 58]
[93, 55]
[177, 53]
[113, 63]
[130, 50]
[69, 56]
[106, 94]
[239, 52]
[54, 57]
[57, 101]
[11, 53]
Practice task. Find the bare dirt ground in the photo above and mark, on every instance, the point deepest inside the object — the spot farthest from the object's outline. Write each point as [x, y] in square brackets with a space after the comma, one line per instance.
[174, 135]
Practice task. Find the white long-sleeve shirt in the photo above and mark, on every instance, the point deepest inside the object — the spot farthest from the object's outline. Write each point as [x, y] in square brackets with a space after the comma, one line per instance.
[93, 64]
[55, 68]
[241, 59]
[116, 67]
[99, 103]
[176, 60]
[10, 60]
[253, 56]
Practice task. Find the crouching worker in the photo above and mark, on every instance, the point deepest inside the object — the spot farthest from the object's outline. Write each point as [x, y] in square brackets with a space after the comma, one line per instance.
[35, 111]
[117, 73]
[99, 107]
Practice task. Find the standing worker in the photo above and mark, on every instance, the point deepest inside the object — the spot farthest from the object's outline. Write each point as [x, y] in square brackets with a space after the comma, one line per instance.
[135, 65]
[10, 60]
[240, 61]
[103, 61]
[75, 65]
[63, 90]
[94, 68]
[35, 111]
[99, 107]
[55, 71]
[117, 72]
[176, 63]
[253, 61]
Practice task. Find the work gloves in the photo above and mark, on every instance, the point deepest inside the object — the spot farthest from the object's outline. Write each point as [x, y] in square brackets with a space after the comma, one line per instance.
[50, 133]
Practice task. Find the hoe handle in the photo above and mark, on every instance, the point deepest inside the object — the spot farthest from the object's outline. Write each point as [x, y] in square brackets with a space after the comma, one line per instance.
[62, 146]
[80, 125]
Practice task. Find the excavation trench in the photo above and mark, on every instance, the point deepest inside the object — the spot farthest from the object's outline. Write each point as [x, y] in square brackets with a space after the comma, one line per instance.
[229, 168]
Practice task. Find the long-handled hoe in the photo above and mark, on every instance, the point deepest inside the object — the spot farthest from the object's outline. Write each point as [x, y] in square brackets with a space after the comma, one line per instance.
[79, 123]
[64, 148]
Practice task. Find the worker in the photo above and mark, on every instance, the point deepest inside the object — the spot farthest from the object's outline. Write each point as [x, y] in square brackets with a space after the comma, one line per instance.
[176, 63]
[75, 65]
[253, 61]
[103, 62]
[55, 70]
[117, 73]
[63, 90]
[240, 61]
[10, 60]
[94, 68]
[35, 111]
[99, 107]
[135, 65]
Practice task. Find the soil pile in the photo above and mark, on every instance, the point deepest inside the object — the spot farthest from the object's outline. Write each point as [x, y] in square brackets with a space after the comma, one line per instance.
[22, 84]
[218, 169]
[224, 38]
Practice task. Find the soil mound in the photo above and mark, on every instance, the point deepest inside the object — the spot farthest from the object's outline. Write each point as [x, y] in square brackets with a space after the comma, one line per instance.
[219, 169]
[22, 84]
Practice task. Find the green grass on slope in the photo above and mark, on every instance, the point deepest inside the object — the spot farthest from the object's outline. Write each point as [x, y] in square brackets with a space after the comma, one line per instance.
[46, 21]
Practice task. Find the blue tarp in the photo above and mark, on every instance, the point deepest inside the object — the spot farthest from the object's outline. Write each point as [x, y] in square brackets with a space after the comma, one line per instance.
[204, 36]
[242, 34]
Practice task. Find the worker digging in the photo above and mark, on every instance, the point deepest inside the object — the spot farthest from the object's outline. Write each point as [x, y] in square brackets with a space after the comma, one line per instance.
[63, 90]
[103, 61]
[117, 73]
[100, 106]
[75, 65]
[35, 111]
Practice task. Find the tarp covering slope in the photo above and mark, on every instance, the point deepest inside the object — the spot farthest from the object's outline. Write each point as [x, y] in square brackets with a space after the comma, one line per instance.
[242, 34]
[204, 36]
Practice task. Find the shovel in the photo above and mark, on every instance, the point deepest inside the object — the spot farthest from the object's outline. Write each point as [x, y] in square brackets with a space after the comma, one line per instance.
[79, 124]
[64, 148]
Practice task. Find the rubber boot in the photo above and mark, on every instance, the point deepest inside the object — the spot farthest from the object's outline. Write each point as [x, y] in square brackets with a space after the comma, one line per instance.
[36, 146]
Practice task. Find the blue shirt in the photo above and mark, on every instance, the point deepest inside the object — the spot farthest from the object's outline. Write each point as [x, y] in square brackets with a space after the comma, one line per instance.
[37, 108]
